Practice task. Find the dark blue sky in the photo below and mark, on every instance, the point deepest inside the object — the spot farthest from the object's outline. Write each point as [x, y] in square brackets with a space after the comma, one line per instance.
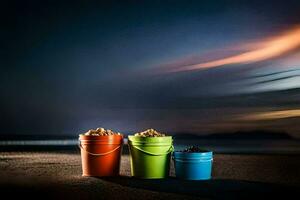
[68, 66]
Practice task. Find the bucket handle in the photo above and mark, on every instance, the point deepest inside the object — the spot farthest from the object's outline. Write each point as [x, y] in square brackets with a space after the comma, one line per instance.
[155, 154]
[98, 154]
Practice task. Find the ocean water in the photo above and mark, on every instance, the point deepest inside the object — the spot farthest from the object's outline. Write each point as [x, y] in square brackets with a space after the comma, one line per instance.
[243, 146]
[218, 146]
[63, 142]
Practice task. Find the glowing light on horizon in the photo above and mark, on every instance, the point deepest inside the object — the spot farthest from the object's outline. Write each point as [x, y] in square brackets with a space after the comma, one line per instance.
[261, 50]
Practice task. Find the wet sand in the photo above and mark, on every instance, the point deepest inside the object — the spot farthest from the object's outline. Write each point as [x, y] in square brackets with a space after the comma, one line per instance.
[57, 175]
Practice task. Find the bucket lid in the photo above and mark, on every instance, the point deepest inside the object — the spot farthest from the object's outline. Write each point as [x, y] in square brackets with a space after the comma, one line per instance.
[139, 139]
[193, 155]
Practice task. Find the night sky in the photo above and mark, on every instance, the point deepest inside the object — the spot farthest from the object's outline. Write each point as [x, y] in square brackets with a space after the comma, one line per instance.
[177, 66]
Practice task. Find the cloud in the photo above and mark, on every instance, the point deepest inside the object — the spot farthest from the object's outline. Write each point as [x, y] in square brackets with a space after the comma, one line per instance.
[272, 115]
[262, 50]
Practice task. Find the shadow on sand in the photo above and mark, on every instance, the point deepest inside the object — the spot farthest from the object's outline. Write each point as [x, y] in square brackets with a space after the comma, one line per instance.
[215, 189]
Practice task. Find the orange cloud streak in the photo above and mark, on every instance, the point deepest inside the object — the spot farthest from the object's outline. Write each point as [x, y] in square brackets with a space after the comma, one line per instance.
[266, 49]
[271, 115]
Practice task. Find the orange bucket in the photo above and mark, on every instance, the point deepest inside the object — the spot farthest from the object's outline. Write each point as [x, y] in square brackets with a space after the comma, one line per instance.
[100, 155]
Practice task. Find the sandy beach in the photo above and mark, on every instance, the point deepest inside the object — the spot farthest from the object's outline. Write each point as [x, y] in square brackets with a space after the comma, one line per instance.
[57, 175]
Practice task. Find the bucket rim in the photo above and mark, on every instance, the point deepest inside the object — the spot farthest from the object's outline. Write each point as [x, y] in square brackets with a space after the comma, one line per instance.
[205, 151]
[150, 144]
[84, 142]
[191, 155]
[195, 160]
[100, 137]
[139, 139]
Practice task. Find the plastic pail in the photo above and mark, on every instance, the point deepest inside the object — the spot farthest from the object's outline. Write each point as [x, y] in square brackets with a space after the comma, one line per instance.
[193, 166]
[150, 156]
[100, 155]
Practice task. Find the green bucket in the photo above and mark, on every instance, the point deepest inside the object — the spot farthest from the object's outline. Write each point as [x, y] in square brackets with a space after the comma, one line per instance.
[150, 156]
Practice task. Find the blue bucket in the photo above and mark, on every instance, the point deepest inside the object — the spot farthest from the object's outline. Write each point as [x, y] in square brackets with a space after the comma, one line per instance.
[193, 166]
